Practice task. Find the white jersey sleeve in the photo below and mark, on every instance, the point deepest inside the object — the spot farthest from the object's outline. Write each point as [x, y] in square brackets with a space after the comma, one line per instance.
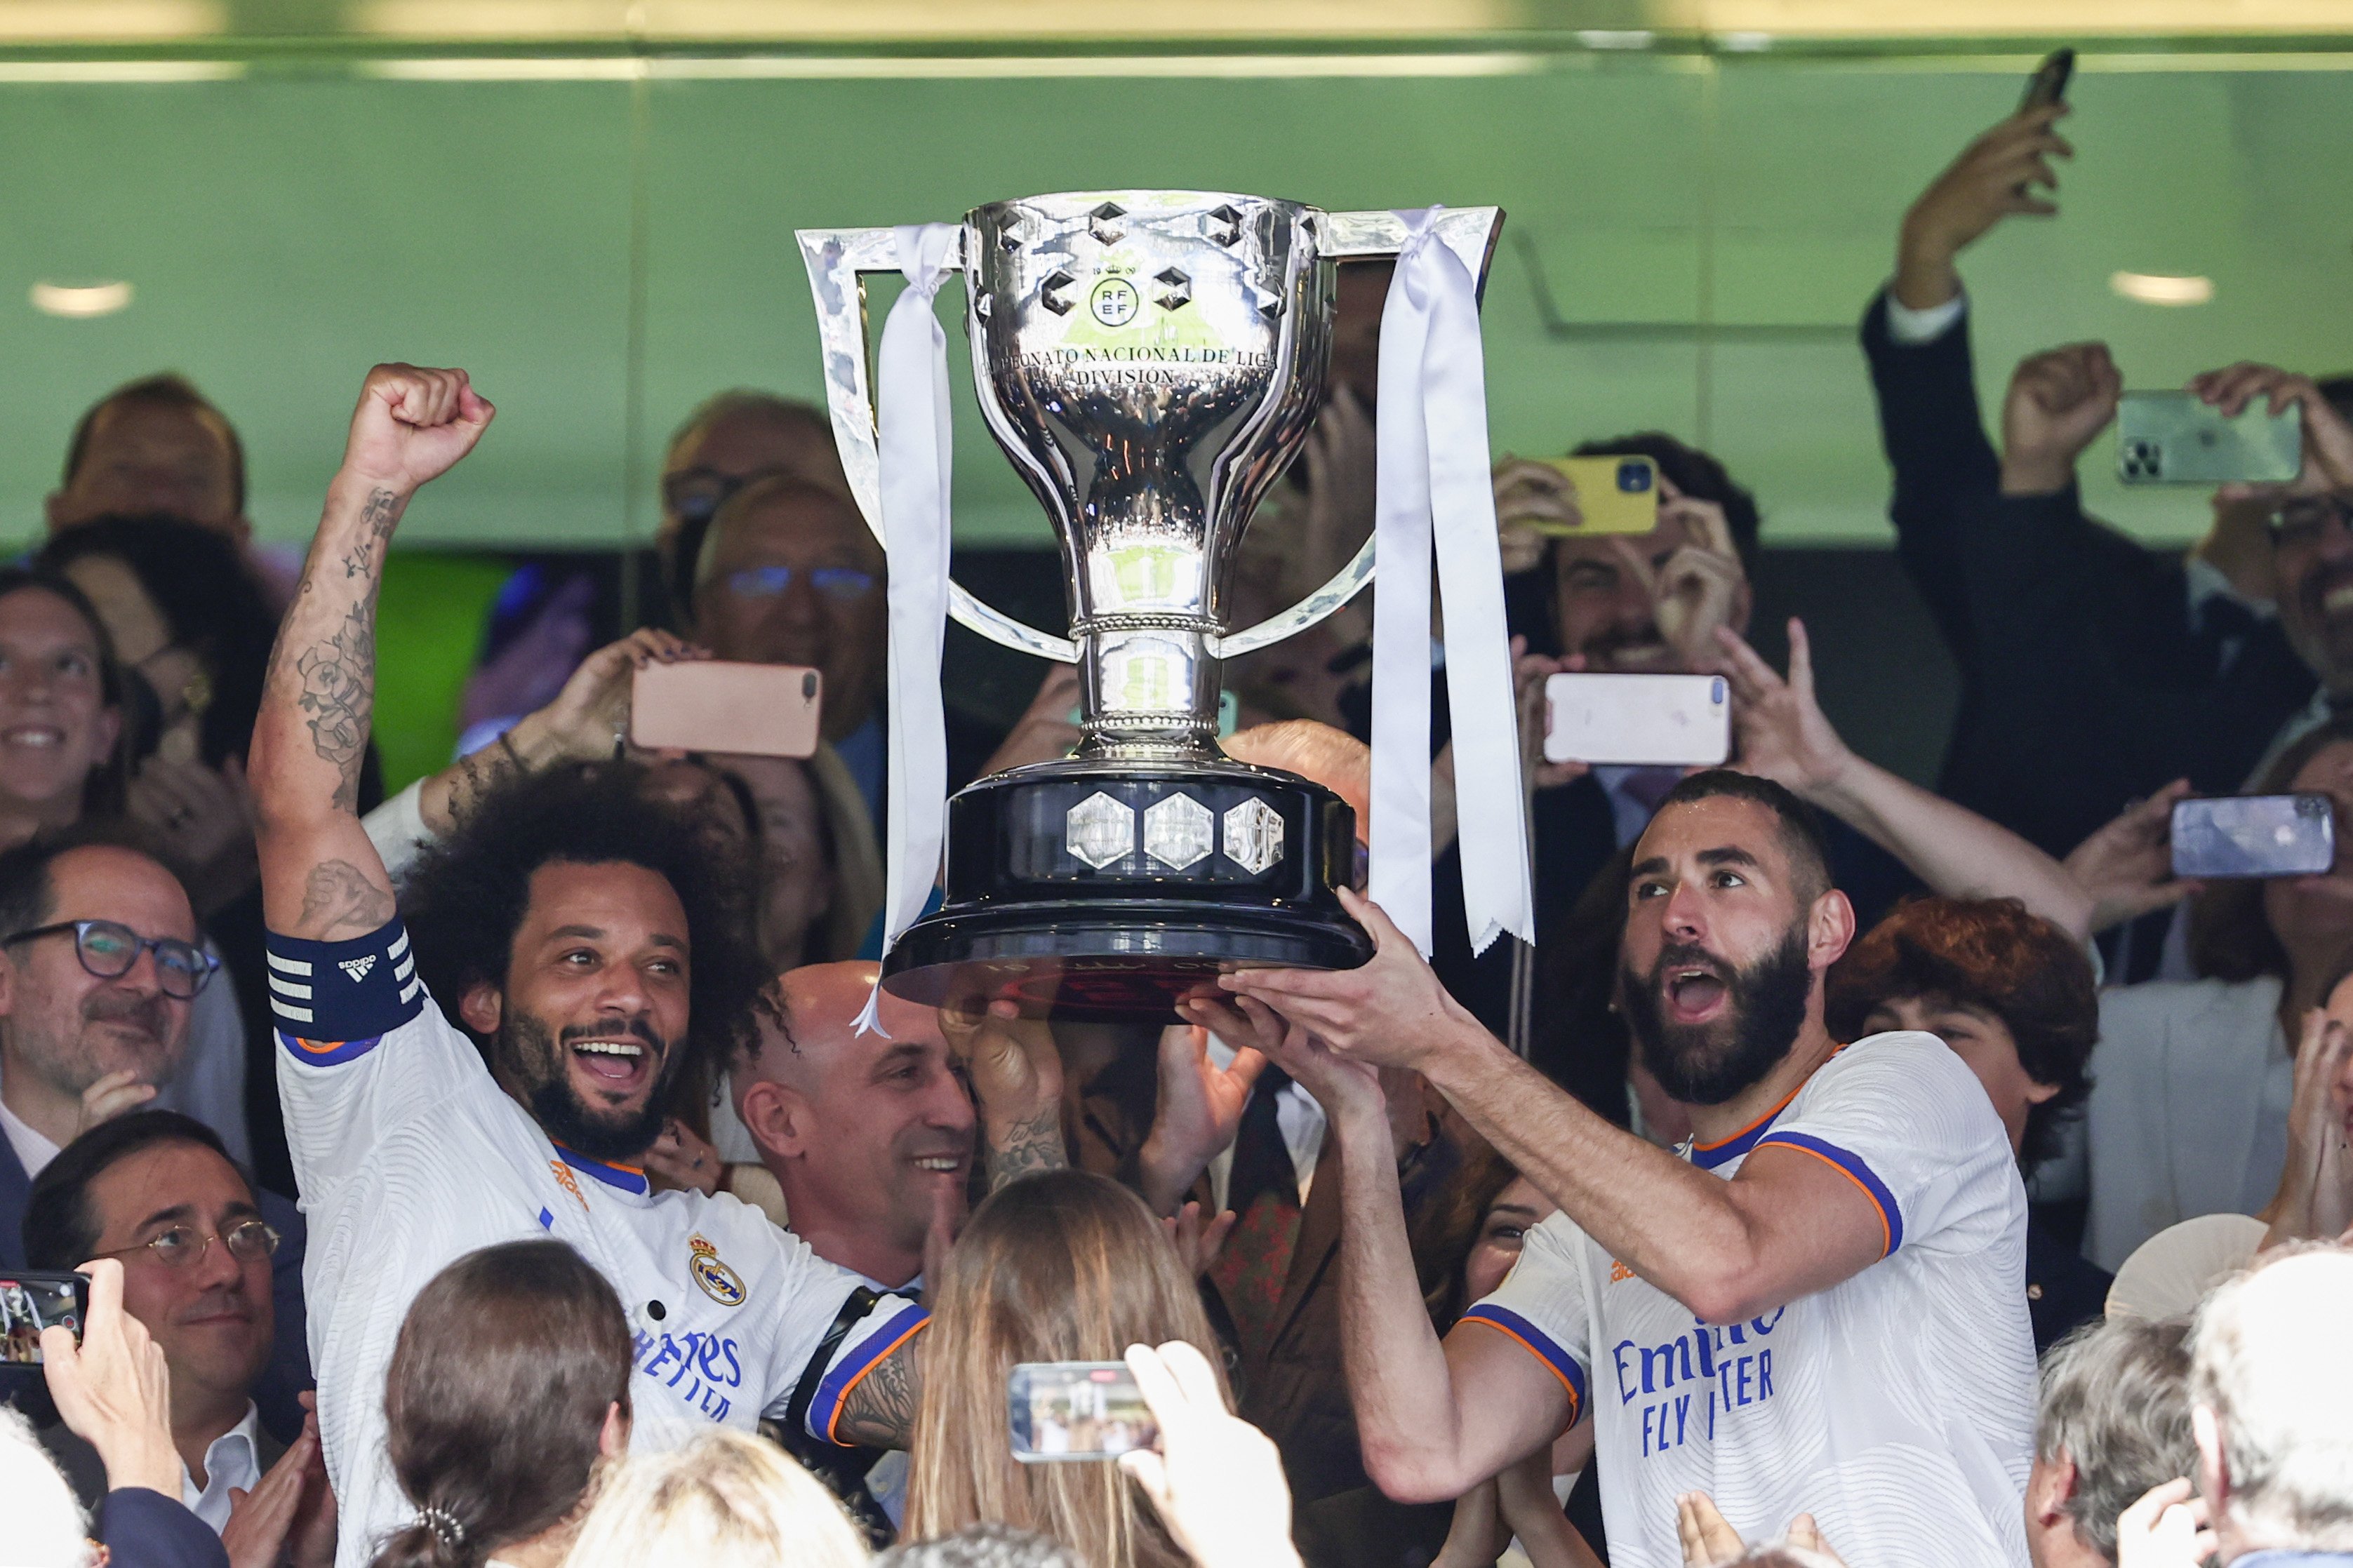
[362, 1050]
[1543, 1307]
[1903, 1118]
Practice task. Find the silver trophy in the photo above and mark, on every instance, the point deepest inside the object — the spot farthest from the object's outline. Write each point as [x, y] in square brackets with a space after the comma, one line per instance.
[1150, 360]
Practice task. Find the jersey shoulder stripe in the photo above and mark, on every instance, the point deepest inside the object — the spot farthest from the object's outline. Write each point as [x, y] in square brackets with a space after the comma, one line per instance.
[332, 1001]
[1538, 1344]
[1852, 1166]
[1708, 1156]
[833, 1392]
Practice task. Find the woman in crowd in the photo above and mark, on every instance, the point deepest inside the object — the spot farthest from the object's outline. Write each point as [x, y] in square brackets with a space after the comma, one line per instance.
[2193, 1079]
[192, 626]
[2014, 997]
[724, 1500]
[1066, 1266]
[507, 1396]
[1464, 1247]
[68, 737]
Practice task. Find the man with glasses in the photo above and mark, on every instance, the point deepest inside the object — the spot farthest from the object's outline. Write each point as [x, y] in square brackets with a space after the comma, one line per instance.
[155, 1191]
[727, 443]
[790, 574]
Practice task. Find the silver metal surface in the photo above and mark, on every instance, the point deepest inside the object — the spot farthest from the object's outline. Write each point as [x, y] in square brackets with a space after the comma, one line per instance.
[1151, 361]
[1253, 836]
[1179, 831]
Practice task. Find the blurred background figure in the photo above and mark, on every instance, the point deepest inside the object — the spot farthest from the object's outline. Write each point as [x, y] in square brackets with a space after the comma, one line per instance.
[726, 1501]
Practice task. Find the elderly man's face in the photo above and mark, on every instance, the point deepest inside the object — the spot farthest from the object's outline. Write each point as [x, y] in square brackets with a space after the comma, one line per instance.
[793, 577]
[71, 1027]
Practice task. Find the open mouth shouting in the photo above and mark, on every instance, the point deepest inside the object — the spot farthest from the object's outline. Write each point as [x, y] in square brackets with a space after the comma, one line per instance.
[1694, 990]
[618, 1061]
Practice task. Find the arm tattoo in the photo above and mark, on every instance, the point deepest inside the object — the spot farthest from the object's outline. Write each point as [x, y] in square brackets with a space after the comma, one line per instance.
[338, 674]
[340, 897]
[1026, 1147]
[881, 1411]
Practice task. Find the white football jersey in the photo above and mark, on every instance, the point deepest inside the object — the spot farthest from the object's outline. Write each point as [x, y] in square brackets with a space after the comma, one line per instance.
[1896, 1407]
[410, 1156]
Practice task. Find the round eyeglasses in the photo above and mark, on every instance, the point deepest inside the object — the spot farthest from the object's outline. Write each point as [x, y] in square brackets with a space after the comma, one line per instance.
[184, 1246]
[108, 950]
[840, 583]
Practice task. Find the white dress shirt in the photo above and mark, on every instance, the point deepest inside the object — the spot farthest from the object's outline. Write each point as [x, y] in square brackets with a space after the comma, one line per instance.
[33, 1149]
[234, 1459]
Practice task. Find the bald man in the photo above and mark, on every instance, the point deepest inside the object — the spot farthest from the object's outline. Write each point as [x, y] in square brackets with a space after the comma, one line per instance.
[873, 1139]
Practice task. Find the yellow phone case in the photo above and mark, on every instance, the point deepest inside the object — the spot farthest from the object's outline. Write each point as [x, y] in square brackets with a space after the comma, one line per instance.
[1614, 495]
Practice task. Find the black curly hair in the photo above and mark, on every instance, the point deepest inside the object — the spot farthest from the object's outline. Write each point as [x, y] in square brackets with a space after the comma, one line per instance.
[466, 897]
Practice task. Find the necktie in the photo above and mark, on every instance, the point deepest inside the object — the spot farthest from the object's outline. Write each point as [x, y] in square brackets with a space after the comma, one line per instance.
[1263, 1192]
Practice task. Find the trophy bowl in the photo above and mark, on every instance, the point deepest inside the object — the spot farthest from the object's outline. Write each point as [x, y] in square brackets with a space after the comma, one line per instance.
[1150, 360]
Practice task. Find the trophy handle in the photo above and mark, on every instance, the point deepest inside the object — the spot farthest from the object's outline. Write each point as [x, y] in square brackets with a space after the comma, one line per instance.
[1470, 232]
[838, 261]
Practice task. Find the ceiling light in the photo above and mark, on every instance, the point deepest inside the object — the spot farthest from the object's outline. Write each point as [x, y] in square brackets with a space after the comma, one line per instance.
[1616, 37]
[2162, 289]
[79, 300]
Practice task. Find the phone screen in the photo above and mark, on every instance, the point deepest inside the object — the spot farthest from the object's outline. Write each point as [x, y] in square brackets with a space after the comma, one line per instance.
[31, 1301]
[1062, 1410]
[2254, 836]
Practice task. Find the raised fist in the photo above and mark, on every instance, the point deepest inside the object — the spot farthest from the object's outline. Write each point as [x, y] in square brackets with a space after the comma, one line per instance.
[412, 426]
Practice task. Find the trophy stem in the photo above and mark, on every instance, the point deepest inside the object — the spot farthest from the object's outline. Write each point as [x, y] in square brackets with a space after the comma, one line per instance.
[1149, 689]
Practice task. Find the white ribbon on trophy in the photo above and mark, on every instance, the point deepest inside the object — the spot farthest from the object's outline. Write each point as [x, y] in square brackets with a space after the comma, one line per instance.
[912, 432]
[1432, 479]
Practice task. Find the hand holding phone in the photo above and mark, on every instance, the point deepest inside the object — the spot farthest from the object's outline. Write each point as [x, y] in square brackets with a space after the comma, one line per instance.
[707, 705]
[2048, 85]
[32, 1299]
[2179, 439]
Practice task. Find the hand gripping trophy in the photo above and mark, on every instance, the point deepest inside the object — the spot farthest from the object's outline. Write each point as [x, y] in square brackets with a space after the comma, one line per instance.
[1151, 361]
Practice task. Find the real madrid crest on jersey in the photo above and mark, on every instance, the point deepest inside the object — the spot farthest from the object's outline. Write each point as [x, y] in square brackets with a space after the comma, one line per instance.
[718, 1281]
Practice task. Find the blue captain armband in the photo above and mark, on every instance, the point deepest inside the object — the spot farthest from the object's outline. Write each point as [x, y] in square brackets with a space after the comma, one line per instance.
[331, 1001]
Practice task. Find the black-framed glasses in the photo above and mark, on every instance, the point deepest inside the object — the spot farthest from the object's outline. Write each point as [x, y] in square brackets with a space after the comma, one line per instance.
[2304, 518]
[184, 1246]
[108, 948]
[843, 585]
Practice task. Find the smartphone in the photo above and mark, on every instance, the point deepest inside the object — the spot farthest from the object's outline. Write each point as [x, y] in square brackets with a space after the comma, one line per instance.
[2254, 836]
[1676, 720]
[2048, 85]
[704, 705]
[1064, 1410]
[2178, 438]
[1614, 495]
[34, 1299]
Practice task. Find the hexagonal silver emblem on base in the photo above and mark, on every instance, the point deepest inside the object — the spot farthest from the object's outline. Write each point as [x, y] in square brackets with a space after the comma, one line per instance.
[1253, 836]
[1099, 829]
[1178, 831]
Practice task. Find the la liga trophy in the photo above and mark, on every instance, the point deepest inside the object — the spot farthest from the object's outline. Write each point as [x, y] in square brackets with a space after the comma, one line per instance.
[1150, 360]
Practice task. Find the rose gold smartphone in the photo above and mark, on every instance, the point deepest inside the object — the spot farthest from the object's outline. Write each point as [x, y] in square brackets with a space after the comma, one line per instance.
[703, 705]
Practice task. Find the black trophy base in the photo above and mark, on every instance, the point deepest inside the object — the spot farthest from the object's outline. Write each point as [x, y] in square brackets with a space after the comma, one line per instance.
[1106, 892]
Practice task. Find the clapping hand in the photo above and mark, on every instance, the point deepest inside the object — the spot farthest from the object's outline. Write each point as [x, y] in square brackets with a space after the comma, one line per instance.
[1197, 1115]
[2315, 1200]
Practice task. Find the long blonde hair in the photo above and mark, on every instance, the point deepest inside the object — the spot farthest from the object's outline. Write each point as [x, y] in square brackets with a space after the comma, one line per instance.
[1066, 1266]
[726, 1500]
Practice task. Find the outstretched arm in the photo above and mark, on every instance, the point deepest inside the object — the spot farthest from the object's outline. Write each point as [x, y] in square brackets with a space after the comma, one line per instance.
[321, 877]
[1784, 736]
[1435, 1419]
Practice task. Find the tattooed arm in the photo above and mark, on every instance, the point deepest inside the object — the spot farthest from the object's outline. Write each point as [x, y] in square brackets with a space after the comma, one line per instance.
[880, 1410]
[321, 877]
[1016, 1074]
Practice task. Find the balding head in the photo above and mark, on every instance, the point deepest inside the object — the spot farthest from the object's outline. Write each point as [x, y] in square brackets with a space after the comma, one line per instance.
[871, 1138]
[1333, 758]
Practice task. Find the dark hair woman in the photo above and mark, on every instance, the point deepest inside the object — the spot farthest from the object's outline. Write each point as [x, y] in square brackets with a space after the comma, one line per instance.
[507, 1396]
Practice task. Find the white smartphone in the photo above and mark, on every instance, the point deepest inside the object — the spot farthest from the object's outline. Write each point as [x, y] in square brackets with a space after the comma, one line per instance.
[1671, 721]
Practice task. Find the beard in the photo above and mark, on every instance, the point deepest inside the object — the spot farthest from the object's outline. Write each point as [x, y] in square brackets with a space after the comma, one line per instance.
[537, 1057]
[1710, 1063]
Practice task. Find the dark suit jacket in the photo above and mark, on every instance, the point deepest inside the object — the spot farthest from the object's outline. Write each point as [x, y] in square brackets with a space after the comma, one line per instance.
[2085, 682]
[289, 1371]
[87, 1472]
[142, 1529]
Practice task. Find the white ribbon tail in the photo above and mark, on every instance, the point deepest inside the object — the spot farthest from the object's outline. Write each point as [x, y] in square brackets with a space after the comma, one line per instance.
[912, 437]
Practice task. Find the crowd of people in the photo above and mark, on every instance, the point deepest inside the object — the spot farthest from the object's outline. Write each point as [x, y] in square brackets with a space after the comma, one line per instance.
[496, 1171]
